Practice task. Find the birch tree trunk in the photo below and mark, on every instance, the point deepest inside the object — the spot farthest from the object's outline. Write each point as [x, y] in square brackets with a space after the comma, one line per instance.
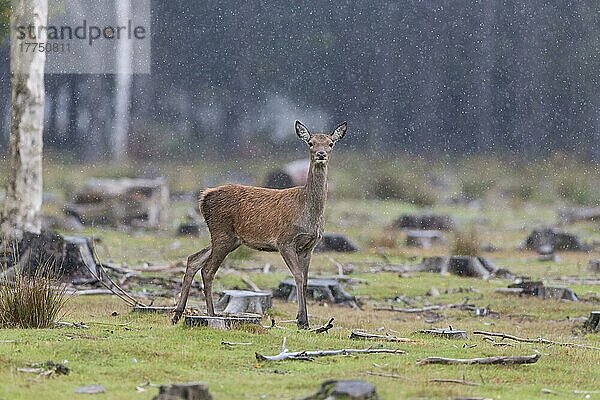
[24, 192]
[122, 87]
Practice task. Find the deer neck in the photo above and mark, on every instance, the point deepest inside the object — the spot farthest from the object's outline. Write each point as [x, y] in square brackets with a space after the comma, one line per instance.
[316, 194]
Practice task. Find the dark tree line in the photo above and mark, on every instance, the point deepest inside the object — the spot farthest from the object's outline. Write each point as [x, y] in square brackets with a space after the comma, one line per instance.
[422, 76]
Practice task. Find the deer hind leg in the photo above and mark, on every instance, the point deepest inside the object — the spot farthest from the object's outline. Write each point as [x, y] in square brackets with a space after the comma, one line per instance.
[194, 262]
[220, 249]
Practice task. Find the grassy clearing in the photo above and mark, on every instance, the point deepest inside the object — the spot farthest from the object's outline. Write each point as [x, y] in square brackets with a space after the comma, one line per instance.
[126, 350]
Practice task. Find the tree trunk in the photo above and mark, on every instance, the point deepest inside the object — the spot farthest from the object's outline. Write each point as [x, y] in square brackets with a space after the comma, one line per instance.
[24, 192]
[122, 88]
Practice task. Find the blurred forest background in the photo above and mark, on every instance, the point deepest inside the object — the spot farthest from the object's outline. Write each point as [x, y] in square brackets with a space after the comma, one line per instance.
[423, 77]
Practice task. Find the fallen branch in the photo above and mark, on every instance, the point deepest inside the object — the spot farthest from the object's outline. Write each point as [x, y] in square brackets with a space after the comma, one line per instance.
[494, 343]
[384, 375]
[309, 355]
[503, 360]
[537, 340]
[236, 343]
[459, 381]
[435, 307]
[325, 328]
[370, 336]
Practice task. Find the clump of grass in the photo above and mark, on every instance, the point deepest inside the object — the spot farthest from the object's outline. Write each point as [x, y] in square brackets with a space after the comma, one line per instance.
[413, 191]
[31, 300]
[476, 188]
[466, 243]
[578, 191]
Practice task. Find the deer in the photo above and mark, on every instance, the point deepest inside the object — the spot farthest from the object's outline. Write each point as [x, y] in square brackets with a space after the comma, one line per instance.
[289, 221]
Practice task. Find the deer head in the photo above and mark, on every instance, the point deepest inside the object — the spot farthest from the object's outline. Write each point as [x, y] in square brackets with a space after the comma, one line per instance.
[320, 144]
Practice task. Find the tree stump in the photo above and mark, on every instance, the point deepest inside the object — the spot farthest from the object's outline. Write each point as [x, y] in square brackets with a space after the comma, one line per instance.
[546, 241]
[153, 309]
[68, 257]
[579, 214]
[130, 202]
[594, 266]
[345, 390]
[459, 265]
[244, 302]
[424, 239]
[328, 290]
[226, 323]
[292, 174]
[446, 333]
[593, 322]
[537, 288]
[183, 391]
[335, 242]
[424, 222]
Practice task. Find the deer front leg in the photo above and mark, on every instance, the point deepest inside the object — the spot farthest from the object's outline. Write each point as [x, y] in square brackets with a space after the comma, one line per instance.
[289, 255]
[194, 263]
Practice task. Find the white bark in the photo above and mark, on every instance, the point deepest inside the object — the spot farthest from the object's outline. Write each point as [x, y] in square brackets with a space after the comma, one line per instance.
[122, 86]
[23, 200]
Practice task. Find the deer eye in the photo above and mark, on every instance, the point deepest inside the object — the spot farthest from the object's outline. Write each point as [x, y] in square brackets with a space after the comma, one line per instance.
[310, 144]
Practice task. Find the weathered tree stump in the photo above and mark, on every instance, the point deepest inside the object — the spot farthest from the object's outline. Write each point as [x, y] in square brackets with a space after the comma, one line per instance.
[538, 289]
[221, 322]
[68, 257]
[328, 290]
[183, 391]
[579, 214]
[593, 322]
[292, 174]
[345, 390]
[459, 265]
[424, 222]
[130, 202]
[335, 242]
[546, 241]
[424, 239]
[153, 309]
[594, 266]
[446, 333]
[243, 302]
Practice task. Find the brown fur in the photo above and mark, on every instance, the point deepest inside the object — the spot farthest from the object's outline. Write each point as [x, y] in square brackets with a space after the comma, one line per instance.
[286, 220]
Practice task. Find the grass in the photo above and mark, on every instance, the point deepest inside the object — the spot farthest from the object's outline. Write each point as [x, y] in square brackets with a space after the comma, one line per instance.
[31, 300]
[126, 350]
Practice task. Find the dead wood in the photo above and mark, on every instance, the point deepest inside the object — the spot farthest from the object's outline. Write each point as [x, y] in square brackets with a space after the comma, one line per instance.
[435, 307]
[502, 360]
[310, 355]
[385, 375]
[325, 328]
[459, 381]
[236, 343]
[536, 340]
[446, 333]
[370, 336]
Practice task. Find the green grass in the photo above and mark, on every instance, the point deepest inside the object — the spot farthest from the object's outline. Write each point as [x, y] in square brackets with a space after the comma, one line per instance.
[123, 351]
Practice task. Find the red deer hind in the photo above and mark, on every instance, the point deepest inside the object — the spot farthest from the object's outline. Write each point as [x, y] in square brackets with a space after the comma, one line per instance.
[286, 220]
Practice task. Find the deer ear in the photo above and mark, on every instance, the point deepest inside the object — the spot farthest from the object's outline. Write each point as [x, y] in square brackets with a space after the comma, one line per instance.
[339, 132]
[302, 131]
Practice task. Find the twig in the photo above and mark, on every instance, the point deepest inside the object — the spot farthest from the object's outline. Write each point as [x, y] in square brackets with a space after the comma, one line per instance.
[78, 325]
[309, 355]
[325, 328]
[537, 340]
[504, 360]
[459, 381]
[382, 374]
[494, 343]
[370, 336]
[236, 343]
